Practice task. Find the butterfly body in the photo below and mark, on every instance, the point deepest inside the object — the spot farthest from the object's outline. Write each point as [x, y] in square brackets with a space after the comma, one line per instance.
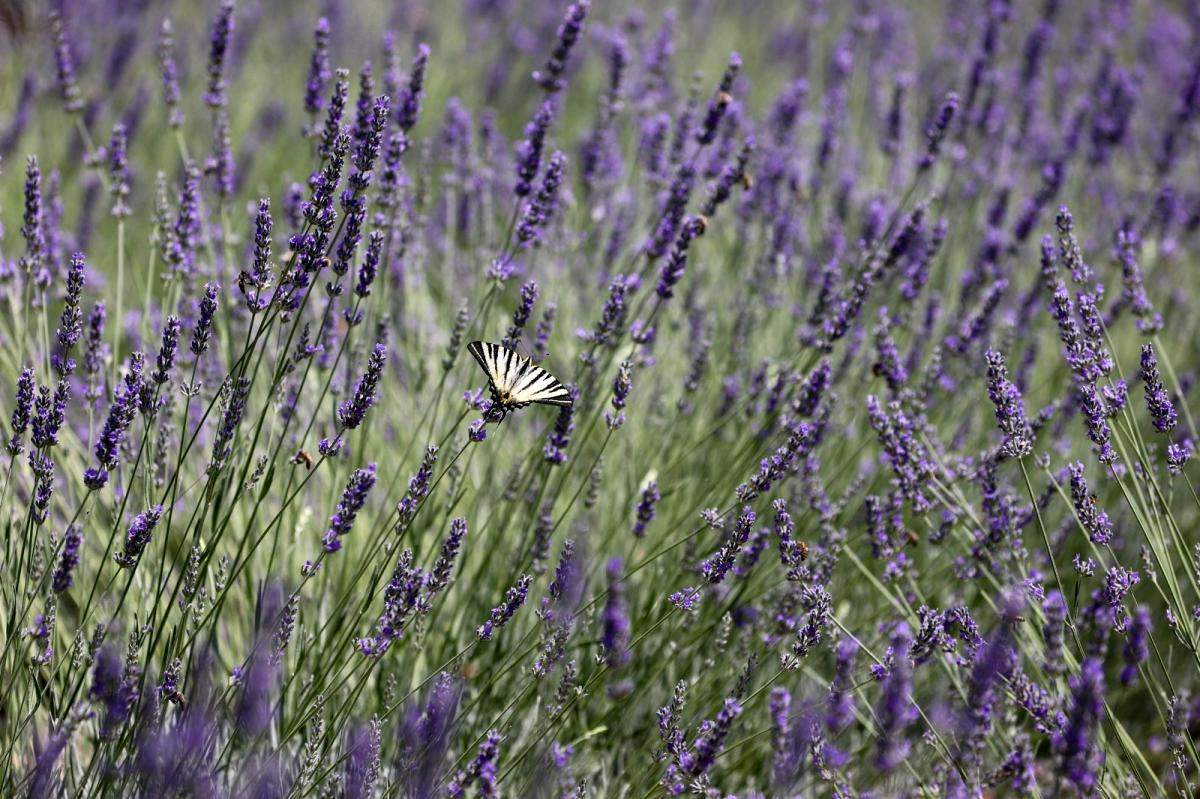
[515, 381]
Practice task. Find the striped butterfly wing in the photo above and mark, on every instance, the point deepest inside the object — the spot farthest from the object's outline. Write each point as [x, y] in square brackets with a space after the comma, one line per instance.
[514, 376]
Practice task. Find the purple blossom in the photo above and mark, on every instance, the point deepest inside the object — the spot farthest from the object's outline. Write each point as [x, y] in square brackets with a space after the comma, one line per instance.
[717, 566]
[120, 415]
[1095, 415]
[354, 496]
[622, 385]
[541, 206]
[253, 282]
[401, 600]
[529, 151]
[895, 710]
[1134, 291]
[202, 332]
[64, 65]
[138, 536]
[1077, 744]
[319, 71]
[115, 689]
[169, 73]
[70, 323]
[559, 437]
[676, 263]
[222, 29]
[236, 395]
[935, 134]
[22, 410]
[1158, 401]
[165, 360]
[720, 101]
[520, 317]
[550, 76]
[614, 638]
[480, 772]
[1137, 647]
[1091, 515]
[644, 512]
[351, 412]
[63, 577]
[370, 265]
[443, 568]
[418, 488]
[33, 229]
[612, 315]
[1010, 409]
[514, 598]
[408, 105]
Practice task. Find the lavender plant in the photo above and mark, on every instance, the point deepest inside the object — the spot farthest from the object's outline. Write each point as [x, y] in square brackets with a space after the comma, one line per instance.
[877, 476]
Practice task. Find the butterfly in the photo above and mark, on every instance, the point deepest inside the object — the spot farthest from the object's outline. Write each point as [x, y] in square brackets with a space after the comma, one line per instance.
[515, 381]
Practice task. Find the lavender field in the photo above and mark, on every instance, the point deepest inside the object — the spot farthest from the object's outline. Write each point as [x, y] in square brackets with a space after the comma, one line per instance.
[875, 478]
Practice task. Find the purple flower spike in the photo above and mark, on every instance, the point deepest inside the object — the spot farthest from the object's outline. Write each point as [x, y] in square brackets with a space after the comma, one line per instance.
[896, 709]
[645, 508]
[353, 498]
[622, 385]
[236, 394]
[319, 70]
[559, 437]
[351, 413]
[1091, 515]
[676, 263]
[222, 28]
[70, 324]
[480, 772]
[120, 415]
[22, 410]
[202, 333]
[113, 688]
[529, 151]
[1077, 743]
[936, 132]
[169, 72]
[1010, 409]
[541, 207]
[409, 102]
[550, 76]
[520, 318]
[514, 598]
[64, 65]
[138, 536]
[1158, 401]
[720, 101]
[614, 638]
[63, 577]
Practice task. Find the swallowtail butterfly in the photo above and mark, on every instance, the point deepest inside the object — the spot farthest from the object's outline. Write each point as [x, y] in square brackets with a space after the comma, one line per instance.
[515, 381]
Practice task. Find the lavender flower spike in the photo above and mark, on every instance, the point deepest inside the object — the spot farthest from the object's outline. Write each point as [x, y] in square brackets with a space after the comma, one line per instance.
[1010, 410]
[353, 498]
[22, 410]
[350, 414]
[64, 64]
[1158, 401]
[622, 385]
[514, 598]
[645, 508]
[550, 76]
[70, 324]
[481, 771]
[120, 416]
[137, 537]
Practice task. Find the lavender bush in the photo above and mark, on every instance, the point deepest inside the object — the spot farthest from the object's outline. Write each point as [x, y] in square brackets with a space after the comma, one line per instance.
[878, 477]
